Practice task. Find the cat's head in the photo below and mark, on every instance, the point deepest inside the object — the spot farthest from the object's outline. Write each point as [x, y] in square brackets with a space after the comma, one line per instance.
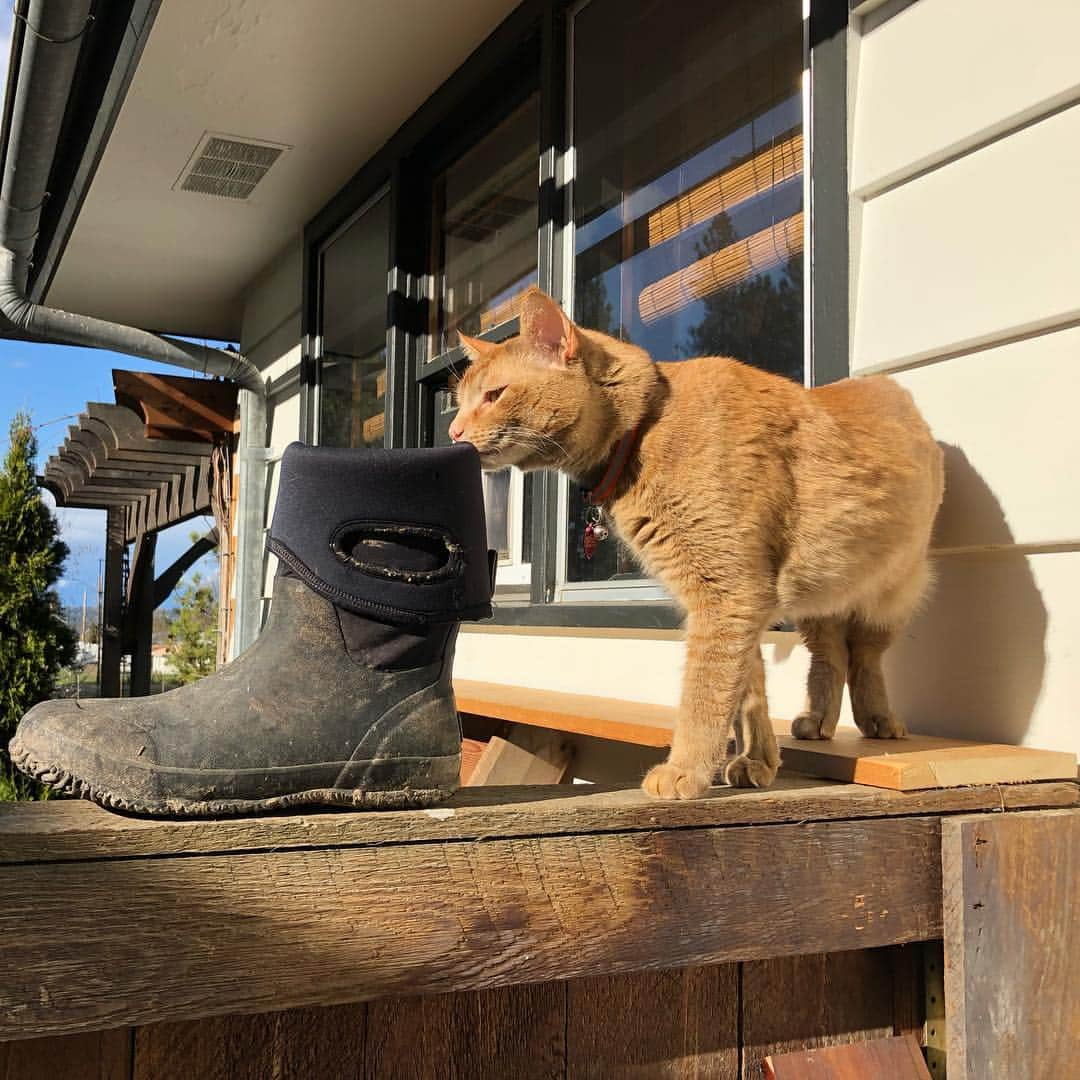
[537, 400]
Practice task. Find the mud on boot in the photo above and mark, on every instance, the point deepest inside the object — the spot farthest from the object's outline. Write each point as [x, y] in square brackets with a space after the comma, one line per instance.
[346, 697]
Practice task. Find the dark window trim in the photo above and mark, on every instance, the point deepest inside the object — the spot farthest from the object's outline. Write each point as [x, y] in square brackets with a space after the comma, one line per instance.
[512, 39]
[827, 48]
[419, 149]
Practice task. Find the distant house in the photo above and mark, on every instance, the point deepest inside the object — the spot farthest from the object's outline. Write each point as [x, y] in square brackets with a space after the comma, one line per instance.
[340, 187]
[161, 660]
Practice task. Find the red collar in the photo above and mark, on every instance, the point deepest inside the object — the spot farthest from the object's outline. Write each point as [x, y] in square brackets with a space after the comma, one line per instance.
[606, 488]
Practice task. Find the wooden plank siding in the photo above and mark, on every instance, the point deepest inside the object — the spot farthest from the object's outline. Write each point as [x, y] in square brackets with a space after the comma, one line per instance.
[1012, 944]
[663, 945]
[678, 1023]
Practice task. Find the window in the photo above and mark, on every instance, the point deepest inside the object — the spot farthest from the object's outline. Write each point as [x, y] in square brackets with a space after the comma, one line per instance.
[485, 230]
[656, 184]
[688, 191]
[352, 358]
[484, 258]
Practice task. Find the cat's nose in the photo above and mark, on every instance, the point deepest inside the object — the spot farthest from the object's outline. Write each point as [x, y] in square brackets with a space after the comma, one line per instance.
[456, 432]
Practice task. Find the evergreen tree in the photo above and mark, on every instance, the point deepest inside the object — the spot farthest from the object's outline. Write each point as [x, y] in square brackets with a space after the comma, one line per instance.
[35, 642]
[758, 320]
[191, 632]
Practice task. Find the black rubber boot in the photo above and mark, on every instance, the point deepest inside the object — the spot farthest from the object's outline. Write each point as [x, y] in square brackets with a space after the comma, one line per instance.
[345, 699]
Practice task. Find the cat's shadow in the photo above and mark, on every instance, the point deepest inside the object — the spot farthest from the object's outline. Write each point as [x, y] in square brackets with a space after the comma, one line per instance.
[971, 665]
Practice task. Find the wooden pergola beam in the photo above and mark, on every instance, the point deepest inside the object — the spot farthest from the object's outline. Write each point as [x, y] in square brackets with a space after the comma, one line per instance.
[169, 578]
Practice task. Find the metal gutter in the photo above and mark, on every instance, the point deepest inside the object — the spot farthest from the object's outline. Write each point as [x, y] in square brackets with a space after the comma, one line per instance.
[46, 45]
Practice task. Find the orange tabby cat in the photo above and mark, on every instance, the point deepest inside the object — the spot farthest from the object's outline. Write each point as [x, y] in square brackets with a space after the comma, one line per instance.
[751, 498]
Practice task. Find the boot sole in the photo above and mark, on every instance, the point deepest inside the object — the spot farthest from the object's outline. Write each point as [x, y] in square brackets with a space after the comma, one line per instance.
[388, 784]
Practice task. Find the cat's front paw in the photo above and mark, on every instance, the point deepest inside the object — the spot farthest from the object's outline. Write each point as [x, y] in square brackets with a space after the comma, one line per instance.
[881, 726]
[667, 781]
[809, 725]
[743, 771]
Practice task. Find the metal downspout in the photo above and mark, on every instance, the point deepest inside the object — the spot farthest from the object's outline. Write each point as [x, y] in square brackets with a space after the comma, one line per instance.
[51, 34]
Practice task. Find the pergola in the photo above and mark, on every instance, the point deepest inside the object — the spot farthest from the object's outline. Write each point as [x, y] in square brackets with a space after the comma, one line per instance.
[157, 457]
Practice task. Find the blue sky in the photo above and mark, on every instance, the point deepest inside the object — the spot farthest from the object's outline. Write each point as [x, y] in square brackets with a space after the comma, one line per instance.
[54, 381]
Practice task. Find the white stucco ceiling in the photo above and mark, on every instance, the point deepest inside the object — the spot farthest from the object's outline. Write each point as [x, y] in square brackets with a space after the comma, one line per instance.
[333, 79]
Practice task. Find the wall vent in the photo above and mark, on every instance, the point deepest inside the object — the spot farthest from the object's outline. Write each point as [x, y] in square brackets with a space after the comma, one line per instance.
[228, 167]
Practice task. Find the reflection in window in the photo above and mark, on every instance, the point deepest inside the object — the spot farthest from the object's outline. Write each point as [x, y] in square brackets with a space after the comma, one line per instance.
[688, 190]
[508, 502]
[353, 360]
[485, 229]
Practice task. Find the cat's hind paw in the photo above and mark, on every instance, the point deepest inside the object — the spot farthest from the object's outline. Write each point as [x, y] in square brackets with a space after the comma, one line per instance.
[743, 771]
[809, 725]
[881, 726]
[667, 781]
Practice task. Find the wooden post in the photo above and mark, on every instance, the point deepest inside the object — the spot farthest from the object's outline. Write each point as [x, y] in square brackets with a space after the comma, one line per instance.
[1011, 894]
[139, 616]
[111, 647]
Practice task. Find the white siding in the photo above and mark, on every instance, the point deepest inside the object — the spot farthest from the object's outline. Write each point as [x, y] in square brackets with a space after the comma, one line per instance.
[965, 170]
[943, 75]
[981, 249]
[995, 655]
[630, 666]
[1007, 418]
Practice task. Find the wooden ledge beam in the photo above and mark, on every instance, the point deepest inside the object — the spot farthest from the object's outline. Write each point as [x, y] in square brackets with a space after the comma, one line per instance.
[144, 939]
[72, 830]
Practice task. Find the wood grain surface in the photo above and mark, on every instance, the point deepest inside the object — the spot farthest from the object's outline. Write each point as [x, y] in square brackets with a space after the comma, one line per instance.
[919, 761]
[1012, 945]
[89, 1055]
[318, 1043]
[526, 757]
[98, 944]
[820, 1000]
[682, 1025]
[514, 1031]
[897, 1058]
[71, 829]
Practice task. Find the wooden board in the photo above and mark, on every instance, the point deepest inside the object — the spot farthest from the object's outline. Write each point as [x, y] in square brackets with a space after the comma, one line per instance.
[682, 1024]
[471, 749]
[89, 1055]
[509, 1032]
[70, 829]
[897, 1058]
[583, 714]
[919, 761]
[1012, 945]
[822, 1000]
[320, 1043]
[527, 756]
[104, 943]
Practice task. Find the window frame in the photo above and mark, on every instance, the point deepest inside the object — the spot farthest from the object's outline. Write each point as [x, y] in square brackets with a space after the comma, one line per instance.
[535, 39]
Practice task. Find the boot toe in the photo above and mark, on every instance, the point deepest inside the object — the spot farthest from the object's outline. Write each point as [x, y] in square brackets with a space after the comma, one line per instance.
[75, 746]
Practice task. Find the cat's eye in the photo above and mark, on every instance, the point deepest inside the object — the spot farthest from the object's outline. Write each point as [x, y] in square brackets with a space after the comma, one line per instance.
[494, 394]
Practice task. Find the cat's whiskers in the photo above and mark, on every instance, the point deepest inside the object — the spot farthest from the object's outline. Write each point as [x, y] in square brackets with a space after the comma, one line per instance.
[533, 440]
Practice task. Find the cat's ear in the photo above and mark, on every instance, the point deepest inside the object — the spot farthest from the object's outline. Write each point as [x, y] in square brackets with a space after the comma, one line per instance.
[544, 323]
[474, 347]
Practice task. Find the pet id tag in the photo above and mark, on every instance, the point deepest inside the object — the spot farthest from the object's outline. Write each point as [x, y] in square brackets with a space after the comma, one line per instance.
[595, 531]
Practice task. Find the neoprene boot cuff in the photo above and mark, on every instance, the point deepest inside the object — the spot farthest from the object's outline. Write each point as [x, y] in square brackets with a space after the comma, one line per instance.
[395, 534]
